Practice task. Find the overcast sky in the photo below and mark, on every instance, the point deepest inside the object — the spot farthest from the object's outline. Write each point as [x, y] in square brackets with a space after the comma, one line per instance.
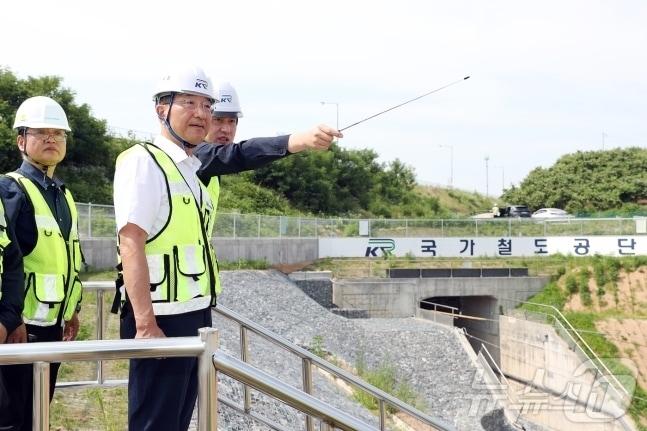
[547, 77]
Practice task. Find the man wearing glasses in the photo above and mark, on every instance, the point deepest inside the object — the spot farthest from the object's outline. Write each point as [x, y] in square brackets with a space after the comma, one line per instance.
[163, 213]
[43, 215]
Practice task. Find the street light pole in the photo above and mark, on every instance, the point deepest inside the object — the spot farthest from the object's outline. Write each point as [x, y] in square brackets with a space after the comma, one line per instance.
[451, 164]
[336, 110]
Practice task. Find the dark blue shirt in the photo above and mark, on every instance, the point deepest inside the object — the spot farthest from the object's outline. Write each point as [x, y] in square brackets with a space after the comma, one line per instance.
[12, 286]
[223, 159]
[20, 210]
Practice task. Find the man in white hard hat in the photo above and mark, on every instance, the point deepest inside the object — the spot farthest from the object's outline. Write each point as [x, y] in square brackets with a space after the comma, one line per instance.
[225, 114]
[250, 154]
[42, 212]
[163, 213]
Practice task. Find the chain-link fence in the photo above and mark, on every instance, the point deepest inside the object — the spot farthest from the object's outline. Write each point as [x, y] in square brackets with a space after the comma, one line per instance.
[99, 221]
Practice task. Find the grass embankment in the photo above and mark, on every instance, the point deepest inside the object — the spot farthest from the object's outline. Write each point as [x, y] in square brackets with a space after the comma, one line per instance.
[594, 292]
[458, 202]
[364, 267]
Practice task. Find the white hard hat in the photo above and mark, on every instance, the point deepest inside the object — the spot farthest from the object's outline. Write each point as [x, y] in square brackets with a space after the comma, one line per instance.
[227, 101]
[190, 80]
[41, 112]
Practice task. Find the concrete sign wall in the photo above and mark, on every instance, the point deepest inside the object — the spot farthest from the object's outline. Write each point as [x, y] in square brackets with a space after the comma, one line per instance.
[585, 245]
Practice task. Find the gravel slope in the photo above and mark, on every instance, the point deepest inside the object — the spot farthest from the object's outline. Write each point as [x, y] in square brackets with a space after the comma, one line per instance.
[426, 355]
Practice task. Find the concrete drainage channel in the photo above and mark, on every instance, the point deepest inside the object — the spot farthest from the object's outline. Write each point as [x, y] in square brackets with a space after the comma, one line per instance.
[428, 356]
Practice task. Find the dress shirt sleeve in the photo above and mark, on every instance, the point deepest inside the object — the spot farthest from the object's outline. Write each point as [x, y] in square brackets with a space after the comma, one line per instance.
[13, 290]
[138, 188]
[223, 159]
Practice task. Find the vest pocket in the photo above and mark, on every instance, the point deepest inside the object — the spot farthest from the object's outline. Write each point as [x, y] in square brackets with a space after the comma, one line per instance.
[158, 273]
[47, 288]
[74, 296]
[76, 255]
[190, 259]
[190, 262]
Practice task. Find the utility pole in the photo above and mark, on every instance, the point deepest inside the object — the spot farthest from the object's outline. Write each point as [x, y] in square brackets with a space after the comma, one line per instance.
[604, 135]
[487, 177]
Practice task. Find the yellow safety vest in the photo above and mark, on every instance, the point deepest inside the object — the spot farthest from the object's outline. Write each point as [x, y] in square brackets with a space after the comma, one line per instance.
[52, 284]
[4, 239]
[181, 262]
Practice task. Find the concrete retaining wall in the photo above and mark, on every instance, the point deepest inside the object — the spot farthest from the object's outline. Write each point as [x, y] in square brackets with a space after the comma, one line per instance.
[533, 353]
[101, 253]
[401, 297]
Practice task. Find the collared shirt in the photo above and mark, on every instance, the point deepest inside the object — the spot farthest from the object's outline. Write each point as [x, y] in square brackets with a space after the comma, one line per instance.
[20, 210]
[223, 159]
[13, 288]
[140, 195]
[141, 198]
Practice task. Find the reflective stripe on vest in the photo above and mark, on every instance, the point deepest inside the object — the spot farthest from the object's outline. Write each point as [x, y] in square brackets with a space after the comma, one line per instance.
[214, 192]
[52, 284]
[181, 261]
[4, 240]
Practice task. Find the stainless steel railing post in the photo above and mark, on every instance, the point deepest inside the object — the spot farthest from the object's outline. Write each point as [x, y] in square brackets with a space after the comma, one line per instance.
[40, 414]
[207, 381]
[244, 356]
[100, 333]
[382, 415]
[306, 368]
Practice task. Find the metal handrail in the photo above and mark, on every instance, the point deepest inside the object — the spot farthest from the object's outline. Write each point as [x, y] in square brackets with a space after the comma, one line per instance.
[504, 381]
[245, 373]
[454, 310]
[42, 354]
[307, 358]
[210, 361]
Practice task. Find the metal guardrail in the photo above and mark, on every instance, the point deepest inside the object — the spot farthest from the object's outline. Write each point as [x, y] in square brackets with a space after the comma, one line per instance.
[41, 354]
[308, 359]
[509, 409]
[210, 361]
[98, 221]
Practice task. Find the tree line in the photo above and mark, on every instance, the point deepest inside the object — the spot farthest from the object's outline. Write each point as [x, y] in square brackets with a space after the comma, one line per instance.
[336, 182]
[587, 182]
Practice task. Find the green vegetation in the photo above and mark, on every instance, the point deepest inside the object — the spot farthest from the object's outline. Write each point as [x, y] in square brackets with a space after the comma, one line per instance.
[458, 202]
[244, 264]
[384, 377]
[88, 167]
[317, 347]
[348, 182]
[338, 182]
[588, 183]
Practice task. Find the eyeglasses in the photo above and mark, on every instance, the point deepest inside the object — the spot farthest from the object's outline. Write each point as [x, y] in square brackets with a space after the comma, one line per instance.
[58, 136]
[191, 105]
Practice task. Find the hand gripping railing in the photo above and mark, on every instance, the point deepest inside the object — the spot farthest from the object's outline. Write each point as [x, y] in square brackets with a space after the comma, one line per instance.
[41, 354]
[210, 361]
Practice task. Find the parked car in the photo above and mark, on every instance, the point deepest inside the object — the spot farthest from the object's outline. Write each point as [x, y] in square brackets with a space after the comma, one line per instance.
[551, 213]
[515, 211]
